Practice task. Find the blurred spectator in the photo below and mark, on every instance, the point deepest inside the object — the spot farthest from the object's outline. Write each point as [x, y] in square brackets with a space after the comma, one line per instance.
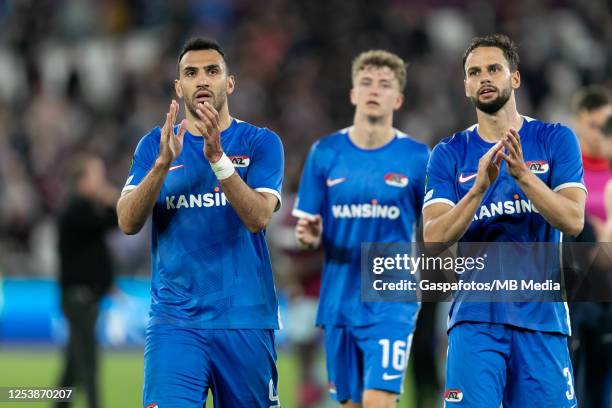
[85, 268]
[607, 230]
[592, 322]
[593, 106]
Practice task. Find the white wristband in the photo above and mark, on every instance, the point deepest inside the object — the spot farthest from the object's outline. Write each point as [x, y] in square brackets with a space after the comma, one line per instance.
[223, 168]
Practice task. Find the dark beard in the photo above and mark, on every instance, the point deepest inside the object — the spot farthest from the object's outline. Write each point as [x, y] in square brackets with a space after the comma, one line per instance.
[495, 105]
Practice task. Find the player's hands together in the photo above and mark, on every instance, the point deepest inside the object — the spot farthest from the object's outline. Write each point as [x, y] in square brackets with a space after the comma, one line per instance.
[514, 155]
[488, 168]
[208, 125]
[170, 144]
[308, 232]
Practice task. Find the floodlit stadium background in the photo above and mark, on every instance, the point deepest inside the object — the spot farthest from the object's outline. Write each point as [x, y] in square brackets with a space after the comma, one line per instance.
[83, 74]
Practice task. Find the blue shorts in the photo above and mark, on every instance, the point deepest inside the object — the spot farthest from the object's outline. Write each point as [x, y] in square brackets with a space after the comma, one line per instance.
[366, 358]
[490, 364]
[182, 364]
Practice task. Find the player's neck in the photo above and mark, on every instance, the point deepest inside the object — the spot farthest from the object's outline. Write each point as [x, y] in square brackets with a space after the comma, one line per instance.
[224, 121]
[371, 134]
[493, 127]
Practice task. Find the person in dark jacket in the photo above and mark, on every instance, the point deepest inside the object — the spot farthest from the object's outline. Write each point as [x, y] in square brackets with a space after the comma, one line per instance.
[85, 267]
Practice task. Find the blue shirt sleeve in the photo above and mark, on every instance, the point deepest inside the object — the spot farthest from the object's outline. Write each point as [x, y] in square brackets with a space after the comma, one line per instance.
[440, 178]
[311, 192]
[143, 160]
[267, 165]
[566, 159]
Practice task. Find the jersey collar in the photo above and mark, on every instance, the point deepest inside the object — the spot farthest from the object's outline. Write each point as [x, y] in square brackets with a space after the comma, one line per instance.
[225, 133]
[480, 140]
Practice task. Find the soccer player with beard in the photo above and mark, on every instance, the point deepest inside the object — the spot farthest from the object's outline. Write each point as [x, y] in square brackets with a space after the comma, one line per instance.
[212, 183]
[512, 353]
[361, 184]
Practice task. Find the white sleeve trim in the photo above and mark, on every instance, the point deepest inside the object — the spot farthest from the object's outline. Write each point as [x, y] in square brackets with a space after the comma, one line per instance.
[573, 184]
[280, 321]
[302, 214]
[274, 193]
[128, 188]
[438, 200]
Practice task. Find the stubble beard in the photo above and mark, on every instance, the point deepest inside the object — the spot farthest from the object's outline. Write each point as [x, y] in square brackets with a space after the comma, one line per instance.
[217, 103]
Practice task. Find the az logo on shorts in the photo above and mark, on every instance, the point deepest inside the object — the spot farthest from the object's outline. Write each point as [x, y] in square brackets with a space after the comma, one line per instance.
[453, 395]
[151, 406]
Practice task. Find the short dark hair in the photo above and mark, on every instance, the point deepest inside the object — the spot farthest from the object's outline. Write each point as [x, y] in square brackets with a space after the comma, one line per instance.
[200, 43]
[591, 98]
[607, 127]
[501, 41]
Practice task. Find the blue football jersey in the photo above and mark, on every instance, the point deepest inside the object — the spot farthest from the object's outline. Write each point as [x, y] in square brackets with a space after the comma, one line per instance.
[208, 270]
[363, 196]
[551, 151]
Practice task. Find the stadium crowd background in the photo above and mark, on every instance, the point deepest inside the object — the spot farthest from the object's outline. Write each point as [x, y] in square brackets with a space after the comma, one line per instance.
[86, 75]
[98, 75]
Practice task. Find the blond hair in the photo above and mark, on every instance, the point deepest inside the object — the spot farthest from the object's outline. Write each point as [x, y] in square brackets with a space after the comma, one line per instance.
[380, 59]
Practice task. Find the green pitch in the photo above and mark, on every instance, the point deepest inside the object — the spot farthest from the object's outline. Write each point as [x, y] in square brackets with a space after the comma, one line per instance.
[120, 376]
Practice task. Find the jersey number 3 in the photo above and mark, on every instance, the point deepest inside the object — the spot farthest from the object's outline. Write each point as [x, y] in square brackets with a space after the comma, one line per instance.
[570, 383]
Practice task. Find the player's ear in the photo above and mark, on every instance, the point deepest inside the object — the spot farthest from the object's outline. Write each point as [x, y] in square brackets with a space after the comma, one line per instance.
[516, 79]
[231, 83]
[465, 88]
[177, 88]
[353, 97]
[398, 102]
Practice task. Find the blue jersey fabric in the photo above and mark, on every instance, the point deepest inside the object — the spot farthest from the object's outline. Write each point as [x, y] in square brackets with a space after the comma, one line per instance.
[506, 214]
[362, 195]
[208, 270]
